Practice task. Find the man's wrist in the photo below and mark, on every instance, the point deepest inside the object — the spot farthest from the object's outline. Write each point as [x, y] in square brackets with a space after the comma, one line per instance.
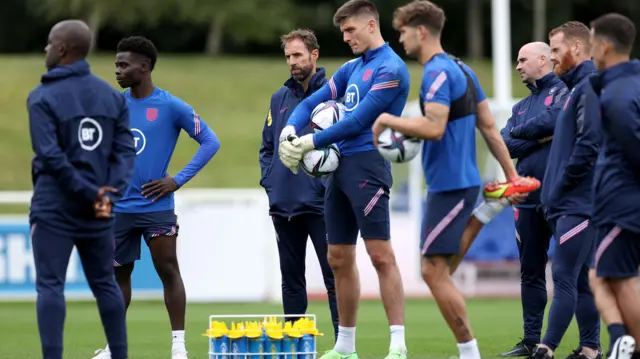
[310, 142]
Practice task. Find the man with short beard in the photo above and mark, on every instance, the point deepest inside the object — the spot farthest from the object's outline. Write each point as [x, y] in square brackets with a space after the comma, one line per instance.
[296, 201]
[567, 197]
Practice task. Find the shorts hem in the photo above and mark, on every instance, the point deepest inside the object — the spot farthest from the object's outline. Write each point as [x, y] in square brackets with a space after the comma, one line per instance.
[431, 254]
[376, 238]
[117, 263]
[616, 275]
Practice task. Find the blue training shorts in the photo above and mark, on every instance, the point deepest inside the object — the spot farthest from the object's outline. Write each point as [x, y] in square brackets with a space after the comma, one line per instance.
[130, 228]
[446, 217]
[618, 252]
[357, 199]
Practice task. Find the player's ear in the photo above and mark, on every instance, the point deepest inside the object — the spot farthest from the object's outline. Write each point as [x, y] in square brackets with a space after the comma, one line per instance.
[371, 25]
[578, 47]
[314, 54]
[422, 31]
[61, 48]
[145, 66]
[542, 60]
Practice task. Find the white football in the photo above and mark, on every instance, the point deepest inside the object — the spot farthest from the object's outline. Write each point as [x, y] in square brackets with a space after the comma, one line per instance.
[321, 161]
[326, 115]
[396, 147]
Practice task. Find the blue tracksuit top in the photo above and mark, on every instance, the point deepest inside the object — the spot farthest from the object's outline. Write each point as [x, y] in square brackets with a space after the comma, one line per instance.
[372, 84]
[542, 106]
[617, 179]
[567, 185]
[289, 194]
[80, 134]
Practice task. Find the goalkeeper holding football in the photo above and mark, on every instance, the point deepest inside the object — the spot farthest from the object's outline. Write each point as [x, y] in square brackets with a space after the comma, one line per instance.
[357, 197]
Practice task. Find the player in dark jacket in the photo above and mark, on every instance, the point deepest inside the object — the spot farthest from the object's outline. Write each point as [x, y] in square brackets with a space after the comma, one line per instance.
[533, 232]
[84, 157]
[566, 192]
[616, 214]
[296, 202]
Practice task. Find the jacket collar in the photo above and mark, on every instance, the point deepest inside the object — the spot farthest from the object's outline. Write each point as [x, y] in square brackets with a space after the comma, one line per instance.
[78, 68]
[317, 80]
[542, 83]
[628, 68]
[581, 71]
[373, 53]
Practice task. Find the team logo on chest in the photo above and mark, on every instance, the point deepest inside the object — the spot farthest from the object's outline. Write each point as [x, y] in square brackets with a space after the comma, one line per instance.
[89, 134]
[352, 97]
[367, 75]
[152, 114]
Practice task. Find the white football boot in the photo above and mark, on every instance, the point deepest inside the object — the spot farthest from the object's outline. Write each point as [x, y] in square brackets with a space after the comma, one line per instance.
[179, 353]
[623, 348]
[103, 353]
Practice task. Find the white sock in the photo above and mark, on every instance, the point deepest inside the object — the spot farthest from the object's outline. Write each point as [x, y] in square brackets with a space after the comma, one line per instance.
[346, 343]
[178, 338]
[469, 350]
[397, 339]
[488, 209]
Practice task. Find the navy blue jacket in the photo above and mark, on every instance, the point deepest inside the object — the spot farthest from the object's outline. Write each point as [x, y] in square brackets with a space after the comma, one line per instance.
[289, 194]
[544, 104]
[568, 180]
[617, 180]
[80, 134]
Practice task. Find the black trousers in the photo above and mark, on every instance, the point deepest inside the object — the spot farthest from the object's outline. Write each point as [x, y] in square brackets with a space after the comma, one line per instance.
[291, 235]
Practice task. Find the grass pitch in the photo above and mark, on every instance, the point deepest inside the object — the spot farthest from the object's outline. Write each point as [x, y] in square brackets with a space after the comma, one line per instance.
[497, 325]
[231, 94]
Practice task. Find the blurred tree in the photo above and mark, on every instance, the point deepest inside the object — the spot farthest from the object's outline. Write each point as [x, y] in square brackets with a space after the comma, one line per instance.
[118, 13]
[540, 20]
[475, 33]
[239, 20]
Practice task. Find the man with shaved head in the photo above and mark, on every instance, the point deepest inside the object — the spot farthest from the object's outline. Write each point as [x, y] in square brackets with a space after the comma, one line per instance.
[567, 193]
[84, 156]
[533, 233]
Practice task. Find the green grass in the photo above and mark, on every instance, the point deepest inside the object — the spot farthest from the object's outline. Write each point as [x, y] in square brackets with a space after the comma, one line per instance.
[231, 94]
[497, 325]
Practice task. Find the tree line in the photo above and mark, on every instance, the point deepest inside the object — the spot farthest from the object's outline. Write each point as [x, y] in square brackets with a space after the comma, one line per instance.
[219, 27]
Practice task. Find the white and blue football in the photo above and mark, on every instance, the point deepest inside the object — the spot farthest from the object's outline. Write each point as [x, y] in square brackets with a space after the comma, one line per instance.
[326, 115]
[321, 161]
[397, 147]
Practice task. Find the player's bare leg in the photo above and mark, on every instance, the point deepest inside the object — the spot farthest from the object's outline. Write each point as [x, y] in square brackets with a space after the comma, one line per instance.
[471, 231]
[436, 273]
[482, 215]
[391, 290]
[165, 260]
[628, 297]
[342, 259]
[607, 307]
[123, 277]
